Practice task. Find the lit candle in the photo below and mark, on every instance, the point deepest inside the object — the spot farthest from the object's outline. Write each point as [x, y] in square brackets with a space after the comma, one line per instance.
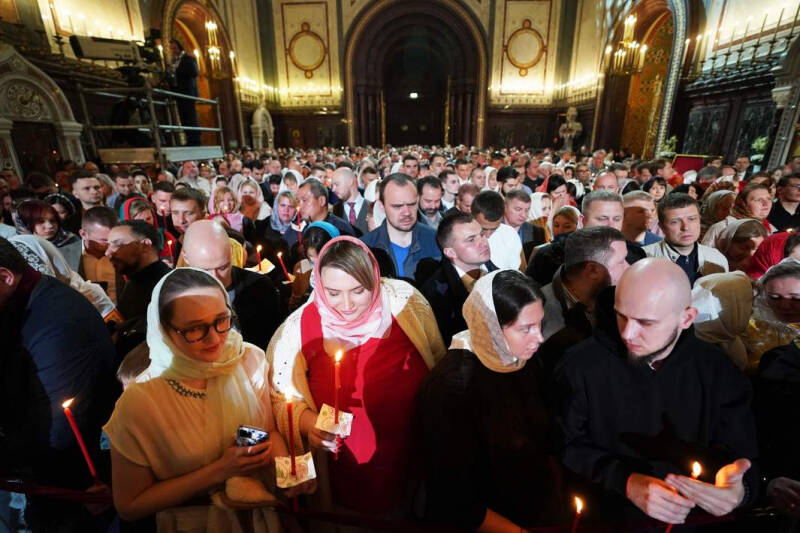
[76, 431]
[258, 256]
[642, 56]
[578, 511]
[169, 248]
[285, 272]
[697, 469]
[337, 385]
[290, 412]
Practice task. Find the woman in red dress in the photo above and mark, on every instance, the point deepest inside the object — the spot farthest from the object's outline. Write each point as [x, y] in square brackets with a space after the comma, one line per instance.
[389, 339]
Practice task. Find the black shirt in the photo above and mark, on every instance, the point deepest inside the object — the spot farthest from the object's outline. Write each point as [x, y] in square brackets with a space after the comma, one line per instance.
[782, 219]
[615, 418]
[690, 264]
[486, 442]
[135, 297]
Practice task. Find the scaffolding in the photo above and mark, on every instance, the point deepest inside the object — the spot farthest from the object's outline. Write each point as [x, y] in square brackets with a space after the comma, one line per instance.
[166, 134]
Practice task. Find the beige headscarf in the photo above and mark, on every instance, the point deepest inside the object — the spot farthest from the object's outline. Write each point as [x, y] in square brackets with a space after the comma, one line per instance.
[232, 397]
[724, 302]
[484, 337]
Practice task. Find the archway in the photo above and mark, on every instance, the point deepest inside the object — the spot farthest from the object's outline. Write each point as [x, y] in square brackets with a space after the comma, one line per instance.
[663, 24]
[399, 45]
[37, 126]
[185, 20]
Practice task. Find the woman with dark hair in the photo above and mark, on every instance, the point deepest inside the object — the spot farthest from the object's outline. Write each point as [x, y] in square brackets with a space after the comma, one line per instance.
[172, 432]
[556, 187]
[37, 217]
[481, 417]
[657, 187]
[63, 206]
[389, 339]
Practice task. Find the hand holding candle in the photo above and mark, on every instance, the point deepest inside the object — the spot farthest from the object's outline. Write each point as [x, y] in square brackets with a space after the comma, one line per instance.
[697, 469]
[74, 425]
[258, 256]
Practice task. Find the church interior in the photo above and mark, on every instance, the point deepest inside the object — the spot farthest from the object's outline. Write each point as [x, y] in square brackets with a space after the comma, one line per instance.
[651, 76]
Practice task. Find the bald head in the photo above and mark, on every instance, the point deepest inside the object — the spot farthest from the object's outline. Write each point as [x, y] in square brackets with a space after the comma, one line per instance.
[344, 184]
[206, 245]
[652, 303]
[607, 181]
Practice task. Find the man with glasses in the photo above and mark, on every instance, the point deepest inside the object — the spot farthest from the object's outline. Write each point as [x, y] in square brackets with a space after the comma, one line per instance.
[488, 208]
[254, 298]
[133, 247]
[784, 214]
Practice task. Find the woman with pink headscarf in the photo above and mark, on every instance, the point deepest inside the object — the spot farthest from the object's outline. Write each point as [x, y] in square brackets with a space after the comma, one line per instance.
[389, 339]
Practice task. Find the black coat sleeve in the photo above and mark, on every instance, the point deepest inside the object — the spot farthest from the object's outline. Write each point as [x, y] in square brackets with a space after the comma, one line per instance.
[454, 460]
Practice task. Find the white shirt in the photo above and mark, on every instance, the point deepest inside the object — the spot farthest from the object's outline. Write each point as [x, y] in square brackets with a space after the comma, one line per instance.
[506, 248]
[359, 202]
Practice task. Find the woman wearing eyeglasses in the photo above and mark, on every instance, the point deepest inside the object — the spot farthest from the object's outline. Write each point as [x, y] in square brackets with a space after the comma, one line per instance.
[172, 435]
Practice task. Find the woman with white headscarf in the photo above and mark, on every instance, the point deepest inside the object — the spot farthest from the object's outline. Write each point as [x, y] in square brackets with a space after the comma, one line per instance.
[482, 419]
[43, 256]
[172, 432]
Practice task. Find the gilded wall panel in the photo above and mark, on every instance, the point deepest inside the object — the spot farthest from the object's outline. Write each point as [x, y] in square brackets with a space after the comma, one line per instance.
[308, 54]
[522, 67]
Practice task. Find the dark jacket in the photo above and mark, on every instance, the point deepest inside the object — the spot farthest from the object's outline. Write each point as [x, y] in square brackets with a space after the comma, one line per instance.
[361, 219]
[615, 418]
[341, 224]
[777, 391]
[55, 347]
[135, 297]
[486, 442]
[185, 81]
[423, 244]
[531, 233]
[258, 307]
[446, 293]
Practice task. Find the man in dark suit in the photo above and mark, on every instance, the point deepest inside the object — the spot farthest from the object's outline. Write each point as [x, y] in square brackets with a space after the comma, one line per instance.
[465, 258]
[254, 298]
[183, 79]
[352, 206]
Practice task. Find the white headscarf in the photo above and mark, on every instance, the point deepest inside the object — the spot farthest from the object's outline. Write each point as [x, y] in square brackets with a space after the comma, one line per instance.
[43, 256]
[232, 398]
[484, 337]
[536, 205]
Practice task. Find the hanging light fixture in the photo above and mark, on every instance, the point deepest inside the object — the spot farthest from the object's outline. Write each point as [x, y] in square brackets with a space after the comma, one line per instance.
[212, 47]
[627, 56]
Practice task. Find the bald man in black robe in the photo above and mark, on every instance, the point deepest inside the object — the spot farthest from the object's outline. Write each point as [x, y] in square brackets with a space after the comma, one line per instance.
[643, 398]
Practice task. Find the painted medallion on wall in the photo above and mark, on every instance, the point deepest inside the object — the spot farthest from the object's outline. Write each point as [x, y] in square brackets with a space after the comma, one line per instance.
[306, 50]
[524, 47]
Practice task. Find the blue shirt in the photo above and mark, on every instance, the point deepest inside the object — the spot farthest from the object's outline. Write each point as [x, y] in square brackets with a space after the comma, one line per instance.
[400, 253]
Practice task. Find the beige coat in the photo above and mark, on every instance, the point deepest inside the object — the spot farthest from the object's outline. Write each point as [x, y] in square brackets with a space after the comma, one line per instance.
[710, 260]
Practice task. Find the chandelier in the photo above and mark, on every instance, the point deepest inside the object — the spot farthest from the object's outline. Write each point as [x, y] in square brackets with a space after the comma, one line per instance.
[212, 48]
[627, 56]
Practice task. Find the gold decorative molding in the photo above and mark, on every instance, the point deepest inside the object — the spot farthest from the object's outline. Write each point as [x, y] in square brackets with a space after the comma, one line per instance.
[304, 35]
[535, 49]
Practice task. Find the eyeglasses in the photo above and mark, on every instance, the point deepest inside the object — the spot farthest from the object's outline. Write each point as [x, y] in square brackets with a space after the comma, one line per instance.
[199, 333]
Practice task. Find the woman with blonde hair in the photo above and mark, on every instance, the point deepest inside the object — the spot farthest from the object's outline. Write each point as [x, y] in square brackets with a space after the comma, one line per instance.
[223, 204]
[388, 338]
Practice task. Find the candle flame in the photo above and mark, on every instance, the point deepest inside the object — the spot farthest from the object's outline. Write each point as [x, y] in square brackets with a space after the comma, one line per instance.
[169, 242]
[280, 254]
[67, 403]
[258, 248]
[338, 356]
[578, 505]
[288, 397]
[697, 469]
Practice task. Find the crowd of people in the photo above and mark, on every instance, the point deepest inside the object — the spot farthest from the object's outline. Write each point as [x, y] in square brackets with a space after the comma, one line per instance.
[512, 328]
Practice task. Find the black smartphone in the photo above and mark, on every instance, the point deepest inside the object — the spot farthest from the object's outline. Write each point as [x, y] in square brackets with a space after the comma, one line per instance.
[250, 436]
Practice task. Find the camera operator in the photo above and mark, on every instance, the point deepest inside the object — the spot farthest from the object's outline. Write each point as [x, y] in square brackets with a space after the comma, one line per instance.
[183, 79]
